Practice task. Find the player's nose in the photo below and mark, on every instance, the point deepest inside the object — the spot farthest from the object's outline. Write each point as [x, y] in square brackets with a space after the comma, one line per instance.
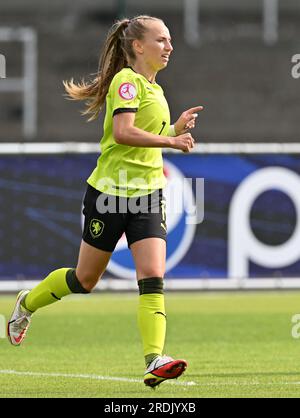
[168, 47]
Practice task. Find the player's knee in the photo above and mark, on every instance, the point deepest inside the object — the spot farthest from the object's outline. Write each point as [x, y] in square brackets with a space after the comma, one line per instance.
[86, 281]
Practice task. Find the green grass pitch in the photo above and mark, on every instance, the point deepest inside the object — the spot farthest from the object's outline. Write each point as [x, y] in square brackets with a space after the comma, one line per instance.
[236, 344]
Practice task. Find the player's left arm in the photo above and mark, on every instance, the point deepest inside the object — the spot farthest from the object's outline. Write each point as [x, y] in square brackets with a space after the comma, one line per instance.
[187, 120]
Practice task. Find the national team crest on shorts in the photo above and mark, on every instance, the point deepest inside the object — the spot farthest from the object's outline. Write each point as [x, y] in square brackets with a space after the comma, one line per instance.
[127, 91]
[96, 228]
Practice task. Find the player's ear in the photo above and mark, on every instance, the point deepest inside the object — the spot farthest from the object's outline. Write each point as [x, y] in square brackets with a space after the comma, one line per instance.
[137, 46]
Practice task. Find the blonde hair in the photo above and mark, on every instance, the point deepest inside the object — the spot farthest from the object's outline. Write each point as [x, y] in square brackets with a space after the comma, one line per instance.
[116, 54]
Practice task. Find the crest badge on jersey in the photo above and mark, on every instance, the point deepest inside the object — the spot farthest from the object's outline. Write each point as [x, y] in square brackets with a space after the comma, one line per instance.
[127, 91]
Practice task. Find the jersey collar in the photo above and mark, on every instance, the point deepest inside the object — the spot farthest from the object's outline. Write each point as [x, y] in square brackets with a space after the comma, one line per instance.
[141, 75]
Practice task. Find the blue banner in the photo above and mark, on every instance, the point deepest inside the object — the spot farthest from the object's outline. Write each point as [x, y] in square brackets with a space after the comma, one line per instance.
[250, 226]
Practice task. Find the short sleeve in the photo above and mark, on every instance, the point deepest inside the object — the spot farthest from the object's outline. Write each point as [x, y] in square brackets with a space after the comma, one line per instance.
[125, 92]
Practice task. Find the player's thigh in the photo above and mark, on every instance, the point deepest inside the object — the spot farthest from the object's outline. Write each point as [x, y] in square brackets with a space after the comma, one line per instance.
[146, 235]
[149, 257]
[91, 265]
[103, 227]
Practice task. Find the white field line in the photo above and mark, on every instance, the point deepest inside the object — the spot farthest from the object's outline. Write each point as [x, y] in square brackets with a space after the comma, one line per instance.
[87, 376]
[127, 380]
[213, 384]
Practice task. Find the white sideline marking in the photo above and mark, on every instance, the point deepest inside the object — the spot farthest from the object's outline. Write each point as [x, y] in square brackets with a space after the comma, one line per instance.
[126, 380]
[247, 383]
[88, 376]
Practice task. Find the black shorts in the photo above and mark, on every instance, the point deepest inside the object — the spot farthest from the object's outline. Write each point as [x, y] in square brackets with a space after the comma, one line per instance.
[107, 217]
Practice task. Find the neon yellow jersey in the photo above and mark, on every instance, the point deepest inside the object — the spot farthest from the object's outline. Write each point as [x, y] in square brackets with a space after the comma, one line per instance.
[124, 170]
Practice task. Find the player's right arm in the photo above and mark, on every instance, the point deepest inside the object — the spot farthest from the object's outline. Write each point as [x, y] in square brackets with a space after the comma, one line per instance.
[126, 133]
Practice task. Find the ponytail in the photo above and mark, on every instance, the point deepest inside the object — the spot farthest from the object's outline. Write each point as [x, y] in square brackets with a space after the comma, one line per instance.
[117, 50]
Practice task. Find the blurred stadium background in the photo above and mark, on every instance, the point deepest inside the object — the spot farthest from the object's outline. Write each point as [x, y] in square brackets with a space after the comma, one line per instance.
[232, 57]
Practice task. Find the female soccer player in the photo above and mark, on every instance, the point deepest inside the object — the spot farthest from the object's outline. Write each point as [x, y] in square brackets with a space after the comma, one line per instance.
[124, 192]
